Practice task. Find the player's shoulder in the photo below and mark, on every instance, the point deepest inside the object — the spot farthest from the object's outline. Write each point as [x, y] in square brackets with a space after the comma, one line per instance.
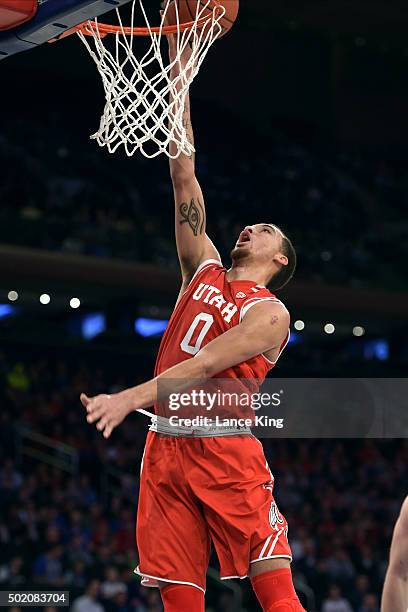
[263, 296]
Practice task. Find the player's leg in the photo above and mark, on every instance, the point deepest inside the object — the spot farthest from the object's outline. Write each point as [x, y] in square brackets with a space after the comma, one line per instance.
[272, 582]
[172, 536]
[248, 531]
[181, 597]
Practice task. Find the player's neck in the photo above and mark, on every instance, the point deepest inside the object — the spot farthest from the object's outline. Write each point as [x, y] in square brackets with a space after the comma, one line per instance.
[241, 271]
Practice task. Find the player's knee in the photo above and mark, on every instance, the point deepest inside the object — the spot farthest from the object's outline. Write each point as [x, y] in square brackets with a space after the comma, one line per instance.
[275, 591]
[286, 605]
[182, 597]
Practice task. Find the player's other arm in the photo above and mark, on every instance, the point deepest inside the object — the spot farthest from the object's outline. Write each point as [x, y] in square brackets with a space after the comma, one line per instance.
[193, 244]
[263, 328]
[395, 593]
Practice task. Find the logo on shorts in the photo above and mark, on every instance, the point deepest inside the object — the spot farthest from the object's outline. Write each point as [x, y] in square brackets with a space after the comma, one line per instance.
[275, 516]
[240, 295]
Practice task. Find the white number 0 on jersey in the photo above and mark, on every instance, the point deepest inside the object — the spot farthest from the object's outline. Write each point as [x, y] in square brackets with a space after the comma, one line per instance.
[192, 349]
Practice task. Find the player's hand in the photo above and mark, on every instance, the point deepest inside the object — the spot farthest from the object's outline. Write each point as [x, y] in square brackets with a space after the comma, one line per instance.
[106, 411]
[172, 42]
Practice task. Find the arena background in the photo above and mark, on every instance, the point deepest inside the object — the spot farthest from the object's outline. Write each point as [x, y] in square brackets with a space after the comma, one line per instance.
[300, 119]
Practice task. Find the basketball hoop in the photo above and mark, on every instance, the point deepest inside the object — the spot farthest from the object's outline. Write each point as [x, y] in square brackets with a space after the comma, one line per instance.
[144, 103]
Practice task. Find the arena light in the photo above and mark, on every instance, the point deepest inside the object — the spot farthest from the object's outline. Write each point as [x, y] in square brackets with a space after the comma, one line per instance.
[377, 349]
[12, 296]
[45, 298]
[299, 325]
[92, 325]
[7, 310]
[329, 328]
[150, 327]
[358, 331]
[75, 302]
[295, 338]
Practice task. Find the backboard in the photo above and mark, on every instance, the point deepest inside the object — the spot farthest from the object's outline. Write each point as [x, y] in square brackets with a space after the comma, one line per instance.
[44, 20]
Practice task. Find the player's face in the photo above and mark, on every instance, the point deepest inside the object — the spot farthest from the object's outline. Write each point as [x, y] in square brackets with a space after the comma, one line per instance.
[261, 241]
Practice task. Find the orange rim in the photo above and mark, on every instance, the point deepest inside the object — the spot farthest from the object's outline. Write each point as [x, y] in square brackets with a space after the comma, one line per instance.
[89, 27]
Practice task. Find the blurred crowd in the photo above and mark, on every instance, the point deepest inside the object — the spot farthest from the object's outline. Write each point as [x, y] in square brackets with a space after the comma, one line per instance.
[72, 528]
[343, 212]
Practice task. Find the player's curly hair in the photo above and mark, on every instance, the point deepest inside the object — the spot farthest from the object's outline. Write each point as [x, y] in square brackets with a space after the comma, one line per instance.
[283, 276]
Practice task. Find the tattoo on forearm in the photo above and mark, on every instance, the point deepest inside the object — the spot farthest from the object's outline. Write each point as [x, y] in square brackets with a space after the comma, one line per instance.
[194, 215]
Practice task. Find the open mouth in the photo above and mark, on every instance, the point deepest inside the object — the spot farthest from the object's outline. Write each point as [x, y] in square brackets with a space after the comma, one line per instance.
[244, 237]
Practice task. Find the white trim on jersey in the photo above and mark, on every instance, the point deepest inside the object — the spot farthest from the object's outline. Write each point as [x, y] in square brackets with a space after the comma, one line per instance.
[272, 546]
[230, 577]
[271, 549]
[272, 557]
[280, 352]
[154, 586]
[255, 300]
[141, 463]
[256, 561]
[203, 265]
[268, 360]
[265, 546]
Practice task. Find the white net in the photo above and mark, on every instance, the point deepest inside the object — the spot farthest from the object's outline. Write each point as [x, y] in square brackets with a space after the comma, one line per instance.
[144, 101]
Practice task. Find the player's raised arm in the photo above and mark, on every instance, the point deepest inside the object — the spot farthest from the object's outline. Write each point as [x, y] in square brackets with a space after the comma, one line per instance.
[193, 244]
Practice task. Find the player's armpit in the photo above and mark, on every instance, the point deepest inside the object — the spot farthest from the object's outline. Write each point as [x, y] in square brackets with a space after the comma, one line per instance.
[264, 327]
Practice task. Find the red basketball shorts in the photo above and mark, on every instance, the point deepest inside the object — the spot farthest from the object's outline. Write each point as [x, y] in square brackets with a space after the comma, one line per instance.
[197, 490]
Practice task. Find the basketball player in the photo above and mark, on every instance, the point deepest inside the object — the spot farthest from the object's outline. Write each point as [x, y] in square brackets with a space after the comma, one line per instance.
[196, 488]
[395, 593]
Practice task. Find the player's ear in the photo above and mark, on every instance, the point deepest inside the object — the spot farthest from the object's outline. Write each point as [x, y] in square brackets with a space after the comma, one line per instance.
[281, 259]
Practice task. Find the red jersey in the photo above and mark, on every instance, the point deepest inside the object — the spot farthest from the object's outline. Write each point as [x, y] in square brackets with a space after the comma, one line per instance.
[213, 488]
[210, 306]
